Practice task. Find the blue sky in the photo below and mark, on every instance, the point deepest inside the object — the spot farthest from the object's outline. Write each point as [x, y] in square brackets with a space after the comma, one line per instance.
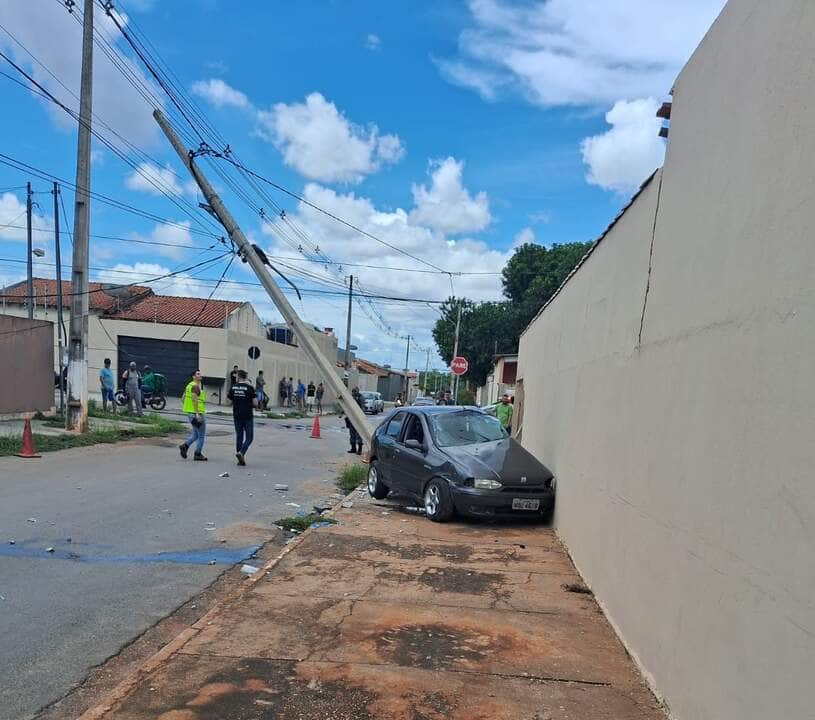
[452, 131]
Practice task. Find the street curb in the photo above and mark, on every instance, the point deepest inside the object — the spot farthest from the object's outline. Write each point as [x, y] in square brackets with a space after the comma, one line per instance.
[121, 691]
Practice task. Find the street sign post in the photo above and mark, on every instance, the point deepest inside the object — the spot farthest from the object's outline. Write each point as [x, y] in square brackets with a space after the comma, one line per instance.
[459, 366]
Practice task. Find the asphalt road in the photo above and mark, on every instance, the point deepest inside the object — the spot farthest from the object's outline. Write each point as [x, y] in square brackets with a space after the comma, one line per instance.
[144, 527]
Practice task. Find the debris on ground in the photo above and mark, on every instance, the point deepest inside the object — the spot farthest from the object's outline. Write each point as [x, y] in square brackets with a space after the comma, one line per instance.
[49, 549]
[577, 588]
[249, 569]
[12, 542]
[281, 487]
[348, 504]
[292, 504]
[213, 562]
[32, 520]
[301, 522]
[224, 474]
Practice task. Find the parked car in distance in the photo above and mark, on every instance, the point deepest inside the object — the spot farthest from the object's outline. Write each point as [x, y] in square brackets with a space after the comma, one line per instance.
[372, 402]
[423, 401]
[457, 459]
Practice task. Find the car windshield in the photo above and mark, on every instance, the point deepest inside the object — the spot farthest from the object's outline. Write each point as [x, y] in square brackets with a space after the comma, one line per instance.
[464, 428]
[368, 395]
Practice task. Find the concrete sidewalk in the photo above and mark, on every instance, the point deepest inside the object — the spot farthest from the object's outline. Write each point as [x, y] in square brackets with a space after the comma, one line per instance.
[387, 615]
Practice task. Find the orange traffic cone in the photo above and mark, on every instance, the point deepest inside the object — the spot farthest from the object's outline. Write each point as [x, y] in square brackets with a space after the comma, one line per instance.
[315, 429]
[27, 450]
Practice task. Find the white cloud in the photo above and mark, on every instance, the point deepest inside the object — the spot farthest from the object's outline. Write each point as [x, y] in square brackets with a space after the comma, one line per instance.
[150, 178]
[541, 217]
[12, 212]
[221, 94]
[373, 42]
[447, 206]
[54, 37]
[320, 143]
[526, 235]
[621, 158]
[176, 238]
[141, 272]
[562, 52]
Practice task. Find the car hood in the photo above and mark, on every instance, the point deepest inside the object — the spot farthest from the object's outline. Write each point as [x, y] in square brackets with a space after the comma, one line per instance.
[504, 460]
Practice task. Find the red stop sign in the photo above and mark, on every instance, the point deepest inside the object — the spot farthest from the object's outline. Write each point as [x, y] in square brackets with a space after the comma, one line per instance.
[459, 366]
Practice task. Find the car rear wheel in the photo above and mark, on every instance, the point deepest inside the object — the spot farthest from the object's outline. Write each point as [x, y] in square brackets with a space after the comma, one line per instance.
[438, 504]
[376, 488]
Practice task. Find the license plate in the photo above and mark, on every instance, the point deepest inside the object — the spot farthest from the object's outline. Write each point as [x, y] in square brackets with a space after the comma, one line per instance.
[525, 504]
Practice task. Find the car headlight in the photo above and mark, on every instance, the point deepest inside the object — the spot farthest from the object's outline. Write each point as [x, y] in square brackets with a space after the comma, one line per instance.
[486, 484]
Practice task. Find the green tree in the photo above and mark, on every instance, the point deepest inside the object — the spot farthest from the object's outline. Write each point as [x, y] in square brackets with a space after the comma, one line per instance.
[485, 328]
[530, 278]
[534, 273]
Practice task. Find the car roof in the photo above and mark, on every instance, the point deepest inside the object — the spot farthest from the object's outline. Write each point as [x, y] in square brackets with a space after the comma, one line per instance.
[439, 409]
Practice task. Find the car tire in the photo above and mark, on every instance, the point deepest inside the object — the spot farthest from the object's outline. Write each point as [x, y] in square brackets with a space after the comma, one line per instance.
[376, 488]
[438, 504]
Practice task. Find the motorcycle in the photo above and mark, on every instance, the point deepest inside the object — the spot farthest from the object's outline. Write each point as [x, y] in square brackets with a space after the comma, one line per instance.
[156, 400]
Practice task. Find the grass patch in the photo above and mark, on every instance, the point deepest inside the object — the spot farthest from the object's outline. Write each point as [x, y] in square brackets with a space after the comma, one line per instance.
[302, 522]
[155, 427]
[351, 477]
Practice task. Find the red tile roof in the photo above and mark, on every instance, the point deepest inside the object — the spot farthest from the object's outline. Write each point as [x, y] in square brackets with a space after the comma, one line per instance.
[178, 311]
[45, 292]
[370, 369]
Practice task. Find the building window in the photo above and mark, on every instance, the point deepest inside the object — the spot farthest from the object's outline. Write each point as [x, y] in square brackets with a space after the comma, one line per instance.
[509, 372]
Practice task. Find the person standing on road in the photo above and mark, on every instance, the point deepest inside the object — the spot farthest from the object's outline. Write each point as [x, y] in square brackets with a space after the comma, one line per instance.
[290, 392]
[194, 406]
[504, 413]
[319, 395]
[132, 380]
[281, 392]
[310, 395]
[301, 395]
[354, 436]
[233, 376]
[260, 388]
[106, 383]
[244, 399]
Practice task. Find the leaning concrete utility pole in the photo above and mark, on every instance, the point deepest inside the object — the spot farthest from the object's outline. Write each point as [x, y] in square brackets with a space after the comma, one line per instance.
[307, 342]
[77, 416]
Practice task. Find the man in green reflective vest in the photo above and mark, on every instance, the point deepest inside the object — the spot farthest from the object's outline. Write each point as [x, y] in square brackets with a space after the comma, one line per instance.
[193, 404]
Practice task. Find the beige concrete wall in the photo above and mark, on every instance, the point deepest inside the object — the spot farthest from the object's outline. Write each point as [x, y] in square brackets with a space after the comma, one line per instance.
[685, 463]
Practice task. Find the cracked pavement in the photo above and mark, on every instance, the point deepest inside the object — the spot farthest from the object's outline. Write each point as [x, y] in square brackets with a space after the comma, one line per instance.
[387, 615]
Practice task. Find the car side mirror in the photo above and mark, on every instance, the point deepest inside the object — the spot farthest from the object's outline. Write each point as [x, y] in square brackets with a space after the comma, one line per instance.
[414, 445]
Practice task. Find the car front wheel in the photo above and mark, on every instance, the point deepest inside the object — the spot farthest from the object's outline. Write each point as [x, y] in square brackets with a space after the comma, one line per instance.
[438, 504]
[376, 488]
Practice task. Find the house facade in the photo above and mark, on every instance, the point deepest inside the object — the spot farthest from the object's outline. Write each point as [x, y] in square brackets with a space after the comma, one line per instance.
[174, 335]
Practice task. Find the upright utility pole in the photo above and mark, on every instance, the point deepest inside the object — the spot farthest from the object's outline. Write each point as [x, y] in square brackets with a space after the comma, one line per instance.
[348, 328]
[60, 321]
[77, 416]
[307, 341]
[29, 286]
[407, 365]
[426, 371]
[454, 379]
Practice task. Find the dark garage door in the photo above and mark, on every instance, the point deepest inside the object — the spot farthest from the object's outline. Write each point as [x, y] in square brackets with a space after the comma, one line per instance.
[176, 360]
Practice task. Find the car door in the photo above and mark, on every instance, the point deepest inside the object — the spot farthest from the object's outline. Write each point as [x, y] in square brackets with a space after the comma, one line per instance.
[388, 446]
[411, 464]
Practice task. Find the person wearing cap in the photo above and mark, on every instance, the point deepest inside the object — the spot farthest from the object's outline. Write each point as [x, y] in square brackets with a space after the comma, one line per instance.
[132, 379]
